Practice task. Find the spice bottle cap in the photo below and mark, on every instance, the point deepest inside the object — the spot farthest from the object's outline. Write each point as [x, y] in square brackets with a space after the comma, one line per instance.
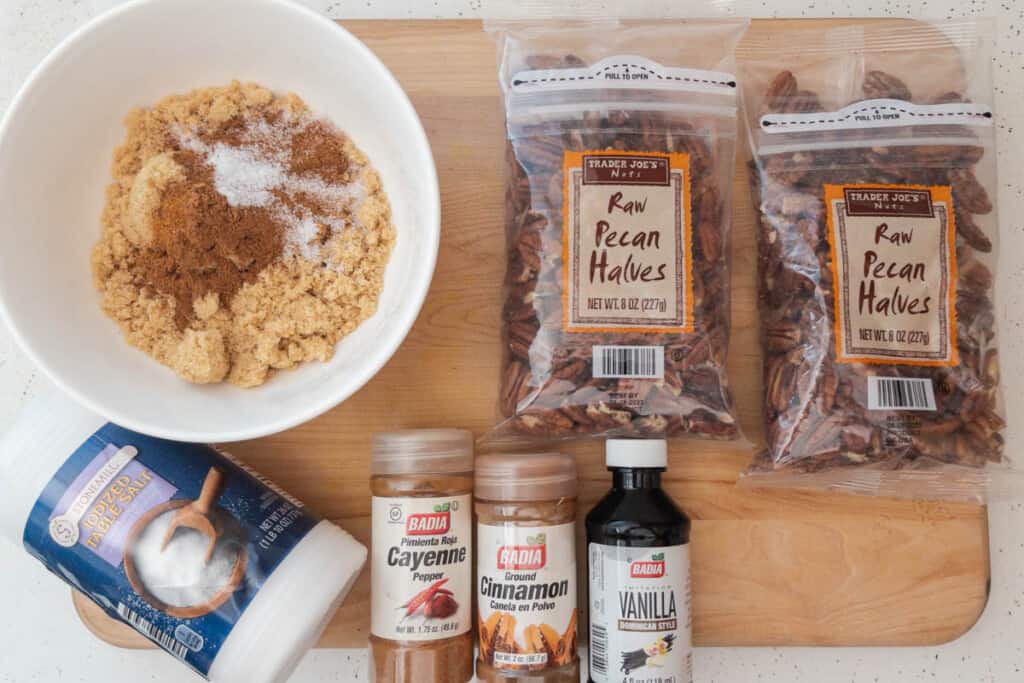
[649, 453]
[525, 477]
[422, 451]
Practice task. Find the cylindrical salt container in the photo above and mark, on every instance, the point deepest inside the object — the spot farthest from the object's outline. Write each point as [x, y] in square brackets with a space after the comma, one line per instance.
[191, 548]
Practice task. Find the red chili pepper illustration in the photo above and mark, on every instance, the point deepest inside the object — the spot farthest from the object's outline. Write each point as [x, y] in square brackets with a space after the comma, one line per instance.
[418, 600]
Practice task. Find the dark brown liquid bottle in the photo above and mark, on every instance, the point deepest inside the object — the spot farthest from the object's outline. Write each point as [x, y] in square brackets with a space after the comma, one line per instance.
[638, 570]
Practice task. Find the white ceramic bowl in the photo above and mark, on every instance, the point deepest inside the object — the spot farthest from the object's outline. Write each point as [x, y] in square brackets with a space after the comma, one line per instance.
[56, 143]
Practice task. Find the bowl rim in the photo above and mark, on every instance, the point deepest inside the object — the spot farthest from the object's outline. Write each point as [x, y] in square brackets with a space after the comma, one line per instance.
[358, 378]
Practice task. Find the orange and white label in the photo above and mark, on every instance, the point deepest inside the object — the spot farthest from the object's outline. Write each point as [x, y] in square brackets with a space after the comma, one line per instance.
[626, 242]
[894, 273]
[526, 596]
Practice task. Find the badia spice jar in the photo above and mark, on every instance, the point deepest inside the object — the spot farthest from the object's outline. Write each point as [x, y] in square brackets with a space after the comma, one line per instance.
[421, 557]
[526, 568]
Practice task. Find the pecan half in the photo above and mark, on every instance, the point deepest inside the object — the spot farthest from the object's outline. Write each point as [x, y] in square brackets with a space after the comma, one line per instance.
[880, 85]
[783, 336]
[544, 422]
[514, 387]
[782, 87]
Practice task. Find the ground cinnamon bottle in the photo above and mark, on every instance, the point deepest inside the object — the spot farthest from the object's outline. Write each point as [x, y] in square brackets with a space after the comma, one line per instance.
[422, 553]
[526, 568]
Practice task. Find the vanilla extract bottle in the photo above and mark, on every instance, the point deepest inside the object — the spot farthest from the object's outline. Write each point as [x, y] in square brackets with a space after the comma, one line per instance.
[639, 572]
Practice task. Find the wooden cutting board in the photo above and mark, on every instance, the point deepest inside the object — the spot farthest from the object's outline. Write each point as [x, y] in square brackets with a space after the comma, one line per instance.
[769, 568]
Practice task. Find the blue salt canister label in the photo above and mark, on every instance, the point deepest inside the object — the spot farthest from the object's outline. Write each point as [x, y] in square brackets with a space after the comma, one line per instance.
[173, 539]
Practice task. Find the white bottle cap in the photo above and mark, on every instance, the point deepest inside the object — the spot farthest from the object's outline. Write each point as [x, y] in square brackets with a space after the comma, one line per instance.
[651, 453]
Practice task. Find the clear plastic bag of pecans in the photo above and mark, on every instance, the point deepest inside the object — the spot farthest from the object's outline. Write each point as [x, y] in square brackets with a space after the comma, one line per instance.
[873, 174]
[621, 143]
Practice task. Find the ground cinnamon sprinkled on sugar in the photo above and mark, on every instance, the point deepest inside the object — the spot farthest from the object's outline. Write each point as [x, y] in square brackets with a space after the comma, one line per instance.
[240, 235]
[202, 245]
[315, 151]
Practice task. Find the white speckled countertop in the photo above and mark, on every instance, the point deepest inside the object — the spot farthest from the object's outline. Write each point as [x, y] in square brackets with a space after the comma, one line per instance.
[41, 639]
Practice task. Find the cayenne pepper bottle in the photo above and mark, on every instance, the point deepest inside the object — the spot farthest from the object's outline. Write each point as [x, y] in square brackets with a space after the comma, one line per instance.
[526, 568]
[422, 554]
[639, 572]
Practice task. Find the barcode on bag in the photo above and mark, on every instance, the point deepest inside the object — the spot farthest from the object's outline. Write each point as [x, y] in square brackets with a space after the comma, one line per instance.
[646, 362]
[151, 631]
[900, 393]
[598, 649]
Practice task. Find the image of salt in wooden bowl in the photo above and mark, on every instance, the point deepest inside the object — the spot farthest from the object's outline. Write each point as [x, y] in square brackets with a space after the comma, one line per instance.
[186, 558]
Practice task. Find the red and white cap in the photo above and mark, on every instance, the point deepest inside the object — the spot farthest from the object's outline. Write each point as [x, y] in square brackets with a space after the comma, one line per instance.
[652, 453]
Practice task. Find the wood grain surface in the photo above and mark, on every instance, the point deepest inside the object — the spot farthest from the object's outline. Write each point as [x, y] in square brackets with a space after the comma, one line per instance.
[769, 568]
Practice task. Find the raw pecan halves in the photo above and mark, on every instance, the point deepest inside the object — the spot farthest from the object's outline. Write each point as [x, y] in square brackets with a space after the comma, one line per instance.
[549, 388]
[816, 409]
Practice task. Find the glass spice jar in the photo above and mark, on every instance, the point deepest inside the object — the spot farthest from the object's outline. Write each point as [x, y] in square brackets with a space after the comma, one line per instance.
[422, 550]
[526, 568]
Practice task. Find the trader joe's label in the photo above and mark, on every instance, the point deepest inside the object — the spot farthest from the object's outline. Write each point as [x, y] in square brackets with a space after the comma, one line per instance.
[627, 242]
[894, 273]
